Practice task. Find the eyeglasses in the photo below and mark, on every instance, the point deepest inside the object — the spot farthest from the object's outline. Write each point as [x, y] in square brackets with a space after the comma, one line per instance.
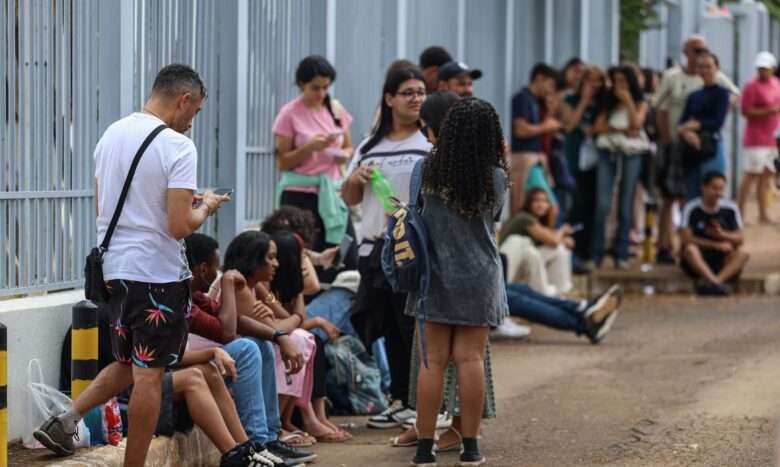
[409, 94]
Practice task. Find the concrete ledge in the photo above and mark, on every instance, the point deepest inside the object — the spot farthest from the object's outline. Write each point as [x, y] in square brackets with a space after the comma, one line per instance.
[191, 450]
[666, 279]
[36, 328]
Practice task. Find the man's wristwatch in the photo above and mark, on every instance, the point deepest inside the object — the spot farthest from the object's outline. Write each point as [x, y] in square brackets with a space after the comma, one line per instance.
[277, 334]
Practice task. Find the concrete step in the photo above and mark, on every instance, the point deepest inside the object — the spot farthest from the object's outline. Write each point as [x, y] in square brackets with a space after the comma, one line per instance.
[190, 450]
[668, 279]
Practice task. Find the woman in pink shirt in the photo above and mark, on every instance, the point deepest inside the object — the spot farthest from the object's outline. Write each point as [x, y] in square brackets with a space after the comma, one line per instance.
[312, 145]
[761, 108]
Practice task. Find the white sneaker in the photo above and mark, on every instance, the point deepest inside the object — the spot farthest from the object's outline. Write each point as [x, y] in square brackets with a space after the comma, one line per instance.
[510, 330]
[394, 416]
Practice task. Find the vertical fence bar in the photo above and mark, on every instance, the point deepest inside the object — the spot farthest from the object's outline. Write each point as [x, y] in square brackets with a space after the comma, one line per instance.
[3, 396]
[84, 346]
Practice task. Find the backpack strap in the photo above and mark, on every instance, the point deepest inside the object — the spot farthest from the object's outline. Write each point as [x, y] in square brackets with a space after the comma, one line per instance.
[415, 184]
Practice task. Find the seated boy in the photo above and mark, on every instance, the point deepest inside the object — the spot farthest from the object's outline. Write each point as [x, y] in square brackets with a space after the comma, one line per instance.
[711, 236]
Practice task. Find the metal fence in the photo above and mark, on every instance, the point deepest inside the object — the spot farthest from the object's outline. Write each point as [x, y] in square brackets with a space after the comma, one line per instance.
[48, 69]
[71, 67]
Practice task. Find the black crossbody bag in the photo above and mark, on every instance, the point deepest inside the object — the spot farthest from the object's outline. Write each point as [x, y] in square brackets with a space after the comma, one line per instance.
[94, 285]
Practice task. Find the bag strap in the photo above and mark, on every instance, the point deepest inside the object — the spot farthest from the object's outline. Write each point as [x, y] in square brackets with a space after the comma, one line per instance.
[121, 203]
[415, 184]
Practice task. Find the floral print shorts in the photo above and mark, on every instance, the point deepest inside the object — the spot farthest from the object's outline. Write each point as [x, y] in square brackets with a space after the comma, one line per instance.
[149, 322]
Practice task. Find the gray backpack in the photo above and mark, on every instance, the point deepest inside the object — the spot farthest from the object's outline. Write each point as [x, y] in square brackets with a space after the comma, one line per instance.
[354, 374]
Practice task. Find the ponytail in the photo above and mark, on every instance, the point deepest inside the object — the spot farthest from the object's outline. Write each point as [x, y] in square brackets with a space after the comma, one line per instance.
[329, 106]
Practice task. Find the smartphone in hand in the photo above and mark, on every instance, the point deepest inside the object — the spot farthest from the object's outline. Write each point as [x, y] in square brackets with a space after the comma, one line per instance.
[223, 191]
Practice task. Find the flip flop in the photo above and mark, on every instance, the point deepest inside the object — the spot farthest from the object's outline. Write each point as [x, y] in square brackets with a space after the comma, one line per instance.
[298, 439]
[396, 441]
[451, 447]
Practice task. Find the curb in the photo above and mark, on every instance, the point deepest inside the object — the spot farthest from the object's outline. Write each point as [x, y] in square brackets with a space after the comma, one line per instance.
[183, 450]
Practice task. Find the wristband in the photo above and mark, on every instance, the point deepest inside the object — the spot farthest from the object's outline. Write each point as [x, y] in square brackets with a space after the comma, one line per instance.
[277, 334]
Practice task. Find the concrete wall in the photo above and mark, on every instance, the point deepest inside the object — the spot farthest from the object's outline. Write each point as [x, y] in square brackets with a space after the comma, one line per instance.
[36, 328]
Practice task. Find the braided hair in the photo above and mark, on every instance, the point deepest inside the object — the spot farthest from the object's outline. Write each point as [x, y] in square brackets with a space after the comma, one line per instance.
[460, 168]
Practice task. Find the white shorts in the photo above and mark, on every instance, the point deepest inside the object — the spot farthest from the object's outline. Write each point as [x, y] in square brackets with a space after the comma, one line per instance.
[758, 160]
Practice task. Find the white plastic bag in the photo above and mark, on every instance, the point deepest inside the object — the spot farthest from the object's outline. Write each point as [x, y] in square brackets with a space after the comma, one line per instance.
[44, 401]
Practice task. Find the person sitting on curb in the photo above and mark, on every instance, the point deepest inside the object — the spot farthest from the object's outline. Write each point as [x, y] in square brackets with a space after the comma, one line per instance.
[711, 237]
[217, 323]
[195, 394]
[553, 245]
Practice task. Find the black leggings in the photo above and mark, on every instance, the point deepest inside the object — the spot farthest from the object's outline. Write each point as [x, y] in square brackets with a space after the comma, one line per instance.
[321, 367]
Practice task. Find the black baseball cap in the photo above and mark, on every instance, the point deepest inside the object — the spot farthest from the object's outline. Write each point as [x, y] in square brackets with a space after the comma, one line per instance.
[454, 69]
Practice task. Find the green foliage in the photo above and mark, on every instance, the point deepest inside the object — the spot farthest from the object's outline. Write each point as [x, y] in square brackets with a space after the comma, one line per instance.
[636, 16]
[774, 8]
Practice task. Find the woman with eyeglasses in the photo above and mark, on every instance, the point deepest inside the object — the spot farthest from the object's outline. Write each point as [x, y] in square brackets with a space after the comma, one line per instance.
[392, 149]
[312, 146]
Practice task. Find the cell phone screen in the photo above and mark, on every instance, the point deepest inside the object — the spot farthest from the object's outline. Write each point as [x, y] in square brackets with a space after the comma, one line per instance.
[346, 244]
[223, 191]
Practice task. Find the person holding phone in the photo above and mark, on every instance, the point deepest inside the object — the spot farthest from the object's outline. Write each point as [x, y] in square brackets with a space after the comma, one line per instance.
[712, 237]
[552, 246]
[312, 145]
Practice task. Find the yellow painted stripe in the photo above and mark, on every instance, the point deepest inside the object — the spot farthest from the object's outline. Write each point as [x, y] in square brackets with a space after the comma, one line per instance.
[77, 386]
[3, 368]
[4, 438]
[85, 344]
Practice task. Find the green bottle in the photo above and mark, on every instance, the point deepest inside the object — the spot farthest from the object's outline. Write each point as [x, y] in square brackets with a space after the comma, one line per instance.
[382, 190]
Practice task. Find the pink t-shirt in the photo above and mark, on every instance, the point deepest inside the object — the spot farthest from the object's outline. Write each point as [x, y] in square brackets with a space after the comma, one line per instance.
[299, 123]
[760, 131]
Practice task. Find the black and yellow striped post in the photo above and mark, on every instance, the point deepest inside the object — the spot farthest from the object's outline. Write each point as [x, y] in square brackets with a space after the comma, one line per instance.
[84, 346]
[648, 256]
[3, 396]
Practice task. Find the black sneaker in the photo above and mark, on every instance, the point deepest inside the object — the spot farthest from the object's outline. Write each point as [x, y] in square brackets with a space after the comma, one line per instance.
[424, 460]
[245, 455]
[605, 304]
[707, 288]
[471, 458]
[597, 332]
[56, 437]
[291, 455]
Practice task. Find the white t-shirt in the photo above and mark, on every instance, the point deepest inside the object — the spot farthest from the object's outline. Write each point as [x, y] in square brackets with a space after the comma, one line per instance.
[395, 159]
[142, 249]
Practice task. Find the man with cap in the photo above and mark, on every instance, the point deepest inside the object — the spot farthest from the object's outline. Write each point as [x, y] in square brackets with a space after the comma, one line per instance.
[669, 100]
[761, 107]
[458, 78]
[431, 59]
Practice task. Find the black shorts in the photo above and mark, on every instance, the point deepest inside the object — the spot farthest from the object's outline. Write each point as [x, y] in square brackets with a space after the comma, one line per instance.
[148, 322]
[714, 259]
[174, 415]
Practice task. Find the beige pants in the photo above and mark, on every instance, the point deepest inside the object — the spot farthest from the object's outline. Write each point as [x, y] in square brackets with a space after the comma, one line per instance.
[525, 264]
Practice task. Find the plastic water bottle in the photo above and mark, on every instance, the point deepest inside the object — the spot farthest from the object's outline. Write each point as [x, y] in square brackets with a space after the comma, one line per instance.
[382, 190]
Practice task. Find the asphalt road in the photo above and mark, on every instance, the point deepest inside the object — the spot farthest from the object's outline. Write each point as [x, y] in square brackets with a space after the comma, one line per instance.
[679, 382]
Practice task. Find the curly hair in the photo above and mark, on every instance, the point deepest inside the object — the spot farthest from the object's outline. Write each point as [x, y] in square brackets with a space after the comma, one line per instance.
[293, 219]
[460, 168]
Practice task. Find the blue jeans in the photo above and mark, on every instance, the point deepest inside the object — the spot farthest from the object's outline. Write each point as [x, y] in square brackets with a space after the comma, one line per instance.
[254, 390]
[693, 176]
[607, 171]
[334, 305]
[526, 303]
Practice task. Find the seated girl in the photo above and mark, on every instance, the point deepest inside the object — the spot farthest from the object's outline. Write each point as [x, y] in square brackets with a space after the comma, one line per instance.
[553, 245]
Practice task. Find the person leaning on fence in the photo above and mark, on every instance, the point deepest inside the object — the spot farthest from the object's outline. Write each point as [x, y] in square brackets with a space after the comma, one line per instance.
[312, 145]
[146, 267]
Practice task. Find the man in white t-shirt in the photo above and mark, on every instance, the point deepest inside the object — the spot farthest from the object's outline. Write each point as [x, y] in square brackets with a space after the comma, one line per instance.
[669, 99]
[145, 266]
